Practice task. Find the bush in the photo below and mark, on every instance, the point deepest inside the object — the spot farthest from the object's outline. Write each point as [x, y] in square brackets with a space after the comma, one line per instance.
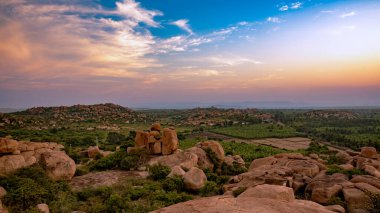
[210, 189]
[238, 191]
[235, 169]
[335, 169]
[173, 184]
[219, 179]
[213, 157]
[159, 172]
[81, 171]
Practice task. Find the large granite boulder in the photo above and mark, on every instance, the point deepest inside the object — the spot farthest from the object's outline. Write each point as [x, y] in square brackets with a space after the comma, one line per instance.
[214, 147]
[10, 163]
[169, 141]
[270, 191]
[58, 165]
[185, 160]
[204, 161]
[357, 200]
[368, 152]
[194, 179]
[8, 145]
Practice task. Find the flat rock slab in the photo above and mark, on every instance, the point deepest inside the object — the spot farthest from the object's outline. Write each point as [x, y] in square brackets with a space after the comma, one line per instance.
[285, 143]
[104, 178]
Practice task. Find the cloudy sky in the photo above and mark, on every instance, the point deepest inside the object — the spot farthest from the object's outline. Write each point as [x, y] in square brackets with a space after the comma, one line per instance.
[149, 52]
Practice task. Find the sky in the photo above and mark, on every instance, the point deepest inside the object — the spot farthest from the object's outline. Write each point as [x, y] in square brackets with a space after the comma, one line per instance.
[155, 53]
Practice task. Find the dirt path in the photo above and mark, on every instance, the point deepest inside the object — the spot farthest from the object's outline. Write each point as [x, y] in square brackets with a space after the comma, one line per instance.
[104, 178]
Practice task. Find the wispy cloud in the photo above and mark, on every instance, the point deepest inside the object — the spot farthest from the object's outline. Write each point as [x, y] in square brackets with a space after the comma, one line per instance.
[274, 20]
[349, 14]
[291, 6]
[284, 8]
[296, 5]
[183, 24]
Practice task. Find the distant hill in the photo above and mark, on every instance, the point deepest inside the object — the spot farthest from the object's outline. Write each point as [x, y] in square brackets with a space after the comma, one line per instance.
[9, 110]
[63, 115]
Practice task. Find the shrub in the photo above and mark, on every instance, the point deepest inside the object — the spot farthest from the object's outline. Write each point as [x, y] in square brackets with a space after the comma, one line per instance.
[235, 169]
[159, 172]
[213, 157]
[210, 189]
[335, 169]
[81, 171]
[173, 184]
[219, 179]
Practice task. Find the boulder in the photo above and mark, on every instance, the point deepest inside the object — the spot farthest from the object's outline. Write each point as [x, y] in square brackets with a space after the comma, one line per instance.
[8, 145]
[262, 161]
[204, 161]
[357, 200]
[372, 171]
[323, 188]
[218, 204]
[344, 157]
[3, 192]
[237, 160]
[215, 147]
[44, 208]
[336, 208]
[39, 152]
[366, 179]
[155, 148]
[105, 153]
[194, 179]
[58, 165]
[314, 156]
[141, 139]
[346, 166]
[365, 187]
[176, 170]
[186, 160]
[169, 141]
[10, 163]
[93, 151]
[156, 127]
[282, 193]
[368, 152]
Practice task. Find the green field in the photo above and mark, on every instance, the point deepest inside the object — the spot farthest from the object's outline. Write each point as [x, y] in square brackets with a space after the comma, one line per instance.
[257, 131]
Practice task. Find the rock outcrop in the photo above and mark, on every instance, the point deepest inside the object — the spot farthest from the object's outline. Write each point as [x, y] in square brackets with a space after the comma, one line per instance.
[18, 154]
[157, 142]
[194, 179]
[263, 199]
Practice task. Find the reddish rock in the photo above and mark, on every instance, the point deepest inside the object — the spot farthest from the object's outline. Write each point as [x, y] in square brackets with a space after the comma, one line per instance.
[156, 127]
[141, 139]
[43, 208]
[176, 170]
[270, 191]
[372, 171]
[344, 157]
[365, 187]
[183, 159]
[93, 151]
[357, 200]
[58, 165]
[213, 146]
[8, 145]
[10, 163]
[203, 160]
[3, 192]
[194, 179]
[366, 179]
[262, 161]
[336, 208]
[346, 166]
[368, 152]
[169, 141]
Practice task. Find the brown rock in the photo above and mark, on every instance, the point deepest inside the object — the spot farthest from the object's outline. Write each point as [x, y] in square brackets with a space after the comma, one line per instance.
[194, 179]
[336, 208]
[372, 171]
[298, 156]
[237, 160]
[356, 200]
[314, 156]
[366, 179]
[141, 139]
[343, 157]
[368, 152]
[156, 127]
[3, 192]
[155, 148]
[169, 141]
[304, 167]
[346, 166]
[44, 208]
[203, 160]
[215, 147]
[186, 160]
[365, 187]
[8, 145]
[39, 152]
[58, 165]
[93, 151]
[262, 161]
[176, 170]
[10, 163]
[270, 191]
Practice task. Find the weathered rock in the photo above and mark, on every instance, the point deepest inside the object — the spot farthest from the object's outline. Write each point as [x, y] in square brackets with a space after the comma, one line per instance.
[262, 161]
[314, 156]
[169, 141]
[3, 192]
[218, 204]
[336, 208]
[10, 163]
[194, 179]
[215, 147]
[298, 156]
[344, 157]
[176, 170]
[44, 208]
[323, 188]
[357, 200]
[186, 160]
[346, 166]
[203, 160]
[58, 165]
[366, 179]
[365, 187]
[156, 127]
[237, 160]
[8, 145]
[93, 152]
[372, 171]
[39, 152]
[141, 139]
[304, 167]
[368, 152]
[282, 193]
[105, 153]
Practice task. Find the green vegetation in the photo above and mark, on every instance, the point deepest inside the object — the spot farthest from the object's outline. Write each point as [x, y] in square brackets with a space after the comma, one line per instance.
[335, 169]
[257, 131]
[159, 172]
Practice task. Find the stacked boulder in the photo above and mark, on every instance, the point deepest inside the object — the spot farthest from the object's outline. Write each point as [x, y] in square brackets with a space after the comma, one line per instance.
[191, 162]
[18, 154]
[163, 142]
[95, 152]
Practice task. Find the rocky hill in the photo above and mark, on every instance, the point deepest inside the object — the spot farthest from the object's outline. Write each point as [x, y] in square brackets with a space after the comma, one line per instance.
[62, 115]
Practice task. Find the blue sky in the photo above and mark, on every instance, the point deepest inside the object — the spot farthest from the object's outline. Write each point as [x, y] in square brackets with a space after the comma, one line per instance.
[139, 53]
